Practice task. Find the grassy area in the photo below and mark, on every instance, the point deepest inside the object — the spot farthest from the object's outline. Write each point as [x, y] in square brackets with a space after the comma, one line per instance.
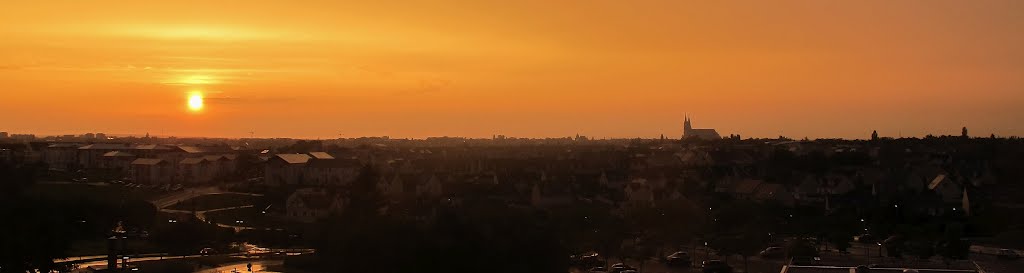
[250, 217]
[215, 201]
[70, 192]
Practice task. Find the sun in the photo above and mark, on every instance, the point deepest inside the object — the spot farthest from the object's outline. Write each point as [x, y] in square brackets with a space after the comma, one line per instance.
[195, 101]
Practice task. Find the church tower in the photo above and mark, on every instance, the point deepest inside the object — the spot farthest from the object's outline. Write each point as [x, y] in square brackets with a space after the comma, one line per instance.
[687, 127]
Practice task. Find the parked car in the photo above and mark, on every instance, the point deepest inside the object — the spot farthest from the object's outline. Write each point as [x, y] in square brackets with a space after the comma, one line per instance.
[1007, 254]
[715, 266]
[680, 258]
[805, 260]
[772, 252]
[620, 267]
[589, 259]
[629, 271]
[207, 251]
[598, 269]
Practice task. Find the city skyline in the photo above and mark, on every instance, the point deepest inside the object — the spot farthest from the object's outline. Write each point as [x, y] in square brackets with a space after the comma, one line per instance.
[92, 135]
[530, 68]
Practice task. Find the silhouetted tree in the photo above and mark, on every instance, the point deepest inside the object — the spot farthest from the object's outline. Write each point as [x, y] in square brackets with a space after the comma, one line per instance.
[488, 237]
[840, 239]
[799, 248]
[952, 247]
[35, 231]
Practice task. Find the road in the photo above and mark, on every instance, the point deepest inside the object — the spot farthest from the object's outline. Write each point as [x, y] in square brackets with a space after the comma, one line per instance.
[103, 263]
[991, 264]
[201, 215]
[257, 266]
[185, 194]
[162, 203]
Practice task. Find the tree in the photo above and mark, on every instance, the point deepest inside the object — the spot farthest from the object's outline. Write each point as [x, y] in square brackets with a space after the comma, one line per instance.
[490, 237]
[16, 178]
[609, 236]
[36, 231]
[643, 251]
[674, 222]
[799, 248]
[749, 244]
[952, 247]
[725, 246]
[920, 248]
[840, 240]
[248, 165]
[365, 201]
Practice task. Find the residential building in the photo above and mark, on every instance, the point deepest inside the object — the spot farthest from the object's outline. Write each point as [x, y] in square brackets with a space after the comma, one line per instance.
[117, 161]
[61, 156]
[308, 205]
[151, 171]
[286, 169]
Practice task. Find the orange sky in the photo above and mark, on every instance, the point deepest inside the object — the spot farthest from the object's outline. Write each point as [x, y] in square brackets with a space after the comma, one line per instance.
[605, 68]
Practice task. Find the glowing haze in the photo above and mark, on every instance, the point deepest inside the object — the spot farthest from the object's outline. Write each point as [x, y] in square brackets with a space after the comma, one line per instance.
[522, 68]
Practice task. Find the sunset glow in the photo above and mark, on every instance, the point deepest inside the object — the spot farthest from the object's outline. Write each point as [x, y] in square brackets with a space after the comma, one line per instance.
[520, 68]
[195, 102]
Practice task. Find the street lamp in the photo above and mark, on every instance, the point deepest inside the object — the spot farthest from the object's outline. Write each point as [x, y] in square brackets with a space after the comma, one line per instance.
[707, 254]
[879, 249]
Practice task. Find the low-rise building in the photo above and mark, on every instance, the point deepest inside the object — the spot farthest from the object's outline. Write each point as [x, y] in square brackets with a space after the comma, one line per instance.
[61, 156]
[286, 169]
[117, 161]
[151, 171]
[311, 205]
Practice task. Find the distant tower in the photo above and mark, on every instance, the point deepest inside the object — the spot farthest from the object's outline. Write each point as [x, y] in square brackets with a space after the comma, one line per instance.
[874, 135]
[963, 133]
[686, 125]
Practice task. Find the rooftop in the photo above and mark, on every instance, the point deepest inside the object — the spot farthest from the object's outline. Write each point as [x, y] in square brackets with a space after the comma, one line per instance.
[147, 161]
